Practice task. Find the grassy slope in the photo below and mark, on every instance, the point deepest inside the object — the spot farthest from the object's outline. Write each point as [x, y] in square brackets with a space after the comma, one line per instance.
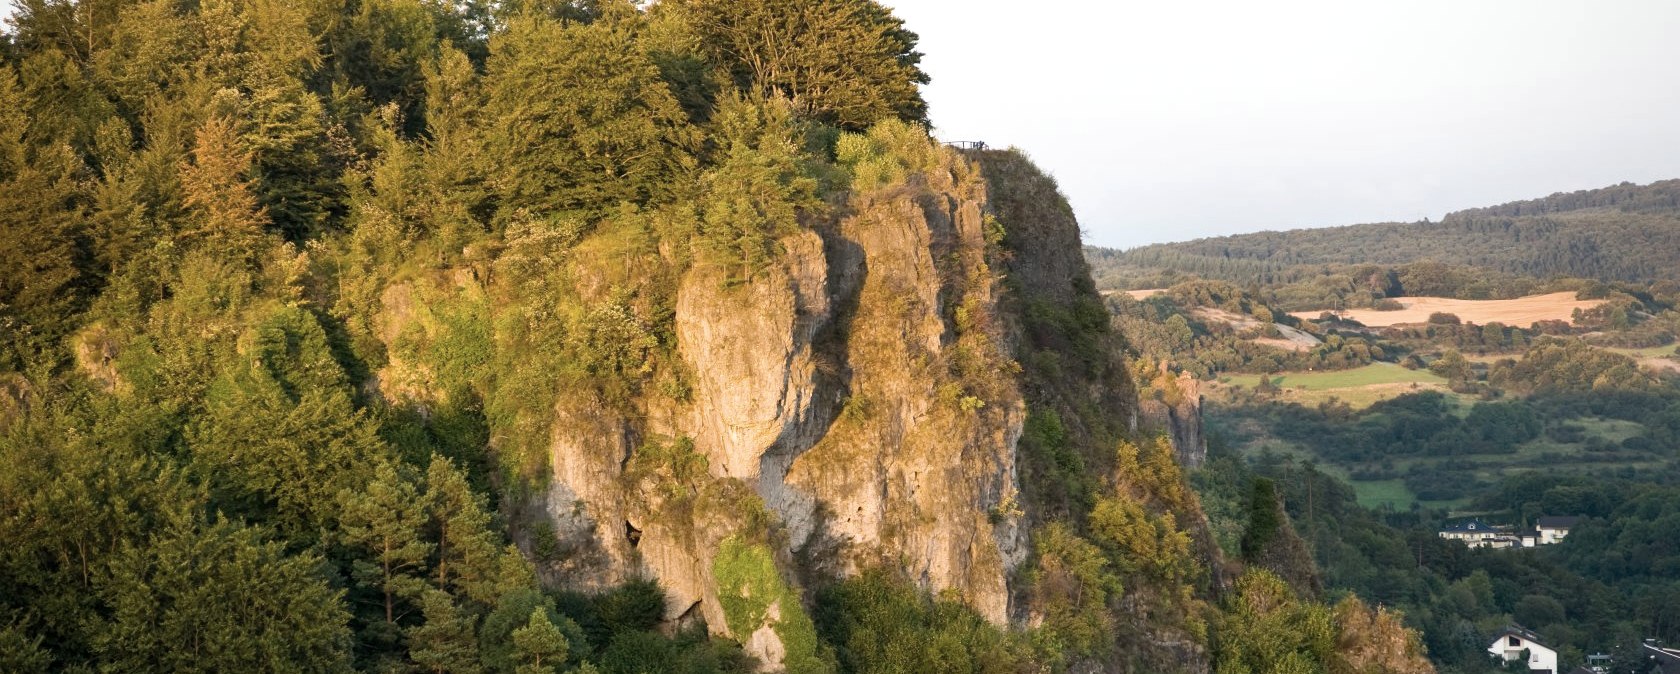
[1361, 387]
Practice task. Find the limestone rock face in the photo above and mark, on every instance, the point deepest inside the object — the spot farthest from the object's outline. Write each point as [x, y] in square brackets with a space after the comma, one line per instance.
[859, 386]
[914, 470]
[585, 501]
[855, 402]
[751, 355]
[1178, 414]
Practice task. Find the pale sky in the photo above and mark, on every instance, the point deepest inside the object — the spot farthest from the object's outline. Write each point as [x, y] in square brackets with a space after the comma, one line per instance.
[1167, 121]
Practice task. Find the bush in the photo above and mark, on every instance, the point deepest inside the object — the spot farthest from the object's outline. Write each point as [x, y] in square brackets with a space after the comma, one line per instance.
[1444, 318]
[881, 623]
[749, 585]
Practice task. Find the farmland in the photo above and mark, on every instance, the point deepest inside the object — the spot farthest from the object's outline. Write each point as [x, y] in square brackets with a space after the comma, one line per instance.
[1358, 387]
[1519, 312]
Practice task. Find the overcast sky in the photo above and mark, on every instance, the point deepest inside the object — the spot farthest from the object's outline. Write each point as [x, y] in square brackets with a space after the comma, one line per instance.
[1166, 121]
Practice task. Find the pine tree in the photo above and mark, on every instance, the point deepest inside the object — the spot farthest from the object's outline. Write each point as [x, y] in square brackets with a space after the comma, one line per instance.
[259, 54]
[278, 437]
[540, 645]
[20, 651]
[446, 642]
[217, 598]
[40, 214]
[1265, 628]
[384, 521]
[468, 554]
[77, 29]
[760, 187]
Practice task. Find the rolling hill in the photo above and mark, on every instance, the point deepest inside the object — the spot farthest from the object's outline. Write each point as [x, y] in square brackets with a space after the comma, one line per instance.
[1624, 232]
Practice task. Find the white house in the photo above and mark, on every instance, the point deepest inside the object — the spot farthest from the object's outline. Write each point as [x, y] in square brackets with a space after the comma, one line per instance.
[1512, 642]
[1478, 534]
[1553, 528]
[1474, 533]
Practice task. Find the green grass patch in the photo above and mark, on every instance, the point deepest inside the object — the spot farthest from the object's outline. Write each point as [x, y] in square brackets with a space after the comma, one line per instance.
[1612, 430]
[1666, 351]
[1377, 494]
[1369, 375]
[754, 594]
[1358, 387]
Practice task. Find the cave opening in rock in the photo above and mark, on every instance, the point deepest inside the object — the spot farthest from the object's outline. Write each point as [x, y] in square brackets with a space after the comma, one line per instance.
[632, 534]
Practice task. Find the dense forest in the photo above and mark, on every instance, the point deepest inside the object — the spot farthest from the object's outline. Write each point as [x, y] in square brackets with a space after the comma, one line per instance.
[1620, 233]
[1601, 590]
[403, 336]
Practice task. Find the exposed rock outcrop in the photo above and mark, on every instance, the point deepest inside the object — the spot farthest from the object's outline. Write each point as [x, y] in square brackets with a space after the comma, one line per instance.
[96, 355]
[1173, 405]
[856, 401]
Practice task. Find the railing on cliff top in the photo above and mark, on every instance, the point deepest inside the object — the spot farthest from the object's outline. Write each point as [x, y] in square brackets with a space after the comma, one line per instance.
[967, 144]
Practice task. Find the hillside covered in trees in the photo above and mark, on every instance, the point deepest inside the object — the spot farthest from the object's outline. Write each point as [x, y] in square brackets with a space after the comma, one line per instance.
[1621, 233]
[400, 336]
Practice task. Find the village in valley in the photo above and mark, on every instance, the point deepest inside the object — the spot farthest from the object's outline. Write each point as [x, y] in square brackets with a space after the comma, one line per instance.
[1517, 646]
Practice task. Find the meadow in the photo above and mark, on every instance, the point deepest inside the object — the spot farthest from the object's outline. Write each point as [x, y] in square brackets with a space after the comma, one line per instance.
[1359, 387]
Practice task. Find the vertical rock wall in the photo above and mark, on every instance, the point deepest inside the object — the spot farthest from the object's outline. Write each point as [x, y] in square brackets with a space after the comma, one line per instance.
[856, 402]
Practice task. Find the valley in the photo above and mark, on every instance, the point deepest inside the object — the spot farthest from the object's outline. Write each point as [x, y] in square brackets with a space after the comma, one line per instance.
[1391, 397]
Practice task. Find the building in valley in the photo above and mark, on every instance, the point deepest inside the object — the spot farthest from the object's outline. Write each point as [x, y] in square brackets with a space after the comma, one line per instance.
[1553, 528]
[1478, 534]
[1514, 644]
[1474, 533]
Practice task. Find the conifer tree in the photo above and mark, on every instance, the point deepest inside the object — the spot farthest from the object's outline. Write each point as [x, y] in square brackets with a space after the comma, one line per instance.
[384, 521]
[76, 28]
[258, 54]
[40, 213]
[446, 642]
[218, 598]
[540, 645]
[468, 555]
[759, 189]
[216, 186]
[1265, 628]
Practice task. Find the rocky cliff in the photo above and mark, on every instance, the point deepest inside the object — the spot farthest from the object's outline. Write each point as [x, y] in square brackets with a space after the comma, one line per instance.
[858, 401]
[1172, 405]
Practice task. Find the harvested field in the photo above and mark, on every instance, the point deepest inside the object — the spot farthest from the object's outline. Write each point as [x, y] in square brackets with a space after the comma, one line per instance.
[1521, 312]
[1140, 294]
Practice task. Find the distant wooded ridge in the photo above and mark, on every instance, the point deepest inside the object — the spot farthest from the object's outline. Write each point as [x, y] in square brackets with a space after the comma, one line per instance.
[1624, 232]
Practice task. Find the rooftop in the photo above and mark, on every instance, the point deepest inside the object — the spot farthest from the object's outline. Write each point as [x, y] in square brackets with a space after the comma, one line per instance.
[1519, 631]
[1470, 525]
